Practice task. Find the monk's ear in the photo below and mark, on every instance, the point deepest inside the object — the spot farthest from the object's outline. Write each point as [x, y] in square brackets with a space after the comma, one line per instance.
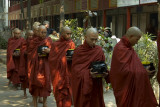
[85, 36]
[131, 36]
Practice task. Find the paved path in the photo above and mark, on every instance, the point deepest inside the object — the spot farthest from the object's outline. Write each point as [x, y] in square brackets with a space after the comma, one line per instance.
[12, 98]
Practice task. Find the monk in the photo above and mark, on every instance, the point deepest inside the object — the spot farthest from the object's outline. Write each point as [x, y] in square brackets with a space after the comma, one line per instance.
[23, 62]
[158, 46]
[87, 89]
[128, 77]
[60, 73]
[13, 57]
[38, 67]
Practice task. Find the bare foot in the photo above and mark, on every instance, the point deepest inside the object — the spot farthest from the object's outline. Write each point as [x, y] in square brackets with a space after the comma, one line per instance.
[25, 96]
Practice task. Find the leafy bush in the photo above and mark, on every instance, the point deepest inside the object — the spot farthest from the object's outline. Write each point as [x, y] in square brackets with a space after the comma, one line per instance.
[147, 51]
[77, 32]
[3, 43]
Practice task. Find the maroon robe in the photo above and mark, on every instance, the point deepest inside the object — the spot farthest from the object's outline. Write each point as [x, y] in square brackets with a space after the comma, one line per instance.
[23, 64]
[87, 91]
[38, 68]
[12, 61]
[158, 46]
[60, 73]
[129, 78]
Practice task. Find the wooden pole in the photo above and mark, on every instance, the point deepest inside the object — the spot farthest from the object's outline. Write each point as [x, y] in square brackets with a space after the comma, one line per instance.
[61, 14]
[29, 14]
[104, 18]
[128, 17]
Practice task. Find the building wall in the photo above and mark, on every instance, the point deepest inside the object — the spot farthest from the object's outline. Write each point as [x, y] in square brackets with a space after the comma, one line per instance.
[3, 14]
[116, 17]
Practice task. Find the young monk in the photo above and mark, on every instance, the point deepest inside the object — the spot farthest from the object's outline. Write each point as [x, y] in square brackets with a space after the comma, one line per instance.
[13, 57]
[38, 67]
[87, 89]
[128, 77]
[24, 62]
[60, 73]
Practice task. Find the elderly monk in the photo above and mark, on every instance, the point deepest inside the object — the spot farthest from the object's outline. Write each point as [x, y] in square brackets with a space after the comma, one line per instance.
[60, 73]
[128, 77]
[38, 67]
[23, 62]
[13, 57]
[87, 89]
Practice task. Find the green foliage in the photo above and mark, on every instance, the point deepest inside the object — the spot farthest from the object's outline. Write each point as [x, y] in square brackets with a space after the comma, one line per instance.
[77, 32]
[107, 46]
[78, 38]
[147, 51]
[3, 43]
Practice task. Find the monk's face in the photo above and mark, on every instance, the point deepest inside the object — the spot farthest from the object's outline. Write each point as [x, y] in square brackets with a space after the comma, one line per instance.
[30, 35]
[43, 33]
[134, 39]
[17, 34]
[36, 32]
[91, 39]
[67, 34]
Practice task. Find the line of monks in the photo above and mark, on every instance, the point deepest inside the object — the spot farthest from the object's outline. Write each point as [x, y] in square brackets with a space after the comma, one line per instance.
[73, 82]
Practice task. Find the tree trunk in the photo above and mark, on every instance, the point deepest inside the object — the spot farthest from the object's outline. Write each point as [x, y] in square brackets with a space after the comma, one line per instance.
[22, 15]
[61, 14]
[28, 14]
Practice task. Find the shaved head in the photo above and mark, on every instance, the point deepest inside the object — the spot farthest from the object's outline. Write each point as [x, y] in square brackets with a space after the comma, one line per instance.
[16, 30]
[91, 37]
[29, 34]
[17, 33]
[66, 33]
[134, 31]
[91, 31]
[42, 31]
[64, 29]
[133, 34]
[41, 27]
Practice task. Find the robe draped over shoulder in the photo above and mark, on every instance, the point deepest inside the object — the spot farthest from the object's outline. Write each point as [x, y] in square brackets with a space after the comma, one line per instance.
[129, 78]
[87, 91]
[60, 73]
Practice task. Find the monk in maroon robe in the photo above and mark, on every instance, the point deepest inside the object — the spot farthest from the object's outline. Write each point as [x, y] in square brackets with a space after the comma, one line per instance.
[87, 89]
[158, 46]
[38, 67]
[128, 77]
[13, 57]
[23, 62]
[60, 73]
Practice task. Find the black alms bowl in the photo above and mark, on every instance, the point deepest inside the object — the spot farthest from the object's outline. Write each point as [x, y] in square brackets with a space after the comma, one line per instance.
[17, 50]
[99, 67]
[70, 52]
[41, 48]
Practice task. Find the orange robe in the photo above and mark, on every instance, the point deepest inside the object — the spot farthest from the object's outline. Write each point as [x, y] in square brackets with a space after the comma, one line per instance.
[23, 64]
[38, 68]
[129, 78]
[12, 61]
[60, 73]
[87, 91]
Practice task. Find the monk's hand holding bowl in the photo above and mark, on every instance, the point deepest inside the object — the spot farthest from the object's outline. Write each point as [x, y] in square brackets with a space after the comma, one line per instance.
[93, 74]
[40, 55]
[69, 58]
[105, 74]
[46, 50]
[16, 53]
[150, 72]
